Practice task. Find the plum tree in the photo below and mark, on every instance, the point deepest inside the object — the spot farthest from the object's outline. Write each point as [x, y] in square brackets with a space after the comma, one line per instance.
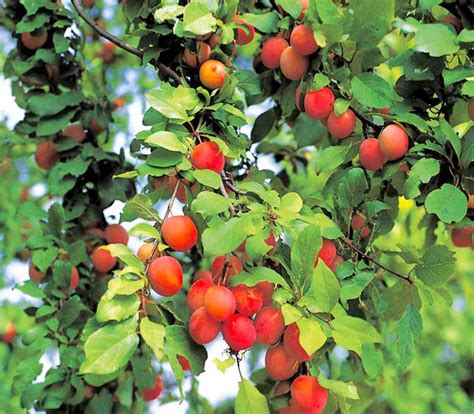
[393, 141]
[239, 332]
[150, 394]
[307, 394]
[291, 341]
[115, 233]
[165, 276]
[280, 365]
[248, 300]
[46, 155]
[203, 328]
[212, 74]
[208, 156]
[196, 294]
[293, 64]
[319, 104]
[341, 126]
[179, 233]
[271, 51]
[219, 302]
[269, 325]
[102, 260]
[302, 39]
[370, 155]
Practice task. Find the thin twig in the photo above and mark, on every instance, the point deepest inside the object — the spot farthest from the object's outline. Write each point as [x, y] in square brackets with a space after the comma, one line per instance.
[237, 359]
[224, 193]
[120, 43]
[365, 121]
[370, 259]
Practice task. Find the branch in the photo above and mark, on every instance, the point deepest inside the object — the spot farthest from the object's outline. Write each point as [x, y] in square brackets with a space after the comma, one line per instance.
[370, 259]
[224, 193]
[120, 43]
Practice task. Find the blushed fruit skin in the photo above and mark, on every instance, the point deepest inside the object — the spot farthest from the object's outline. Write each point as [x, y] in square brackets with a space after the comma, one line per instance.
[150, 394]
[370, 155]
[212, 74]
[248, 300]
[202, 327]
[358, 225]
[319, 104]
[239, 332]
[298, 93]
[196, 294]
[341, 126]
[208, 156]
[179, 233]
[302, 39]
[96, 128]
[293, 65]
[327, 253]
[292, 343]
[393, 141]
[165, 276]
[115, 233]
[9, 335]
[35, 274]
[46, 155]
[76, 132]
[470, 109]
[336, 262]
[102, 260]
[33, 42]
[269, 325]
[74, 280]
[232, 267]
[279, 364]
[145, 251]
[267, 289]
[243, 37]
[308, 395]
[203, 274]
[470, 202]
[202, 54]
[272, 50]
[184, 362]
[462, 237]
[304, 6]
[219, 302]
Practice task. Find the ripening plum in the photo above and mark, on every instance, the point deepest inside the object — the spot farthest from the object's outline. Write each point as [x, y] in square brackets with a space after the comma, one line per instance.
[208, 156]
[150, 394]
[219, 302]
[76, 132]
[370, 155]
[239, 332]
[202, 54]
[102, 260]
[108, 52]
[46, 155]
[336, 262]
[96, 128]
[341, 126]
[462, 237]
[358, 225]
[179, 233]
[196, 294]
[145, 250]
[470, 201]
[115, 233]
[302, 39]
[203, 274]
[269, 325]
[291, 341]
[184, 362]
[293, 65]
[202, 327]
[222, 268]
[74, 279]
[304, 6]
[248, 300]
[267, 292]
[212, 74]
[244, 36]
[298, 93]
[327, 253]
[393, 141]
[9, 333]
[307, 394]
[34, 42]
[165, 276]
[272, 50]
[279, 364]
[319, 104]
[35, 274]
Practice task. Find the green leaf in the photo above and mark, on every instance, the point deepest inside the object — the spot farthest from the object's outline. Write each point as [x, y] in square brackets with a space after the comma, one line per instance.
[290, 313]
[257, 275]
[208, 178]
[140, 206]
[56, 220]
[210, 204]
[421, 173]
[167, 140]
[154, 335]
[264, 22]
[373, 91]
[436, 40]
[250, 400]
[110, 348]
[449, 203]
[51, 104]
[311, 336]
[116, 308]
[353, 288]
[304, 252]
[174, 102]
[293, 8]
[223, 366]
[161, 157]
[325, 287]
[351, 333]
[144, 230]
[352, 188]
[344, 389]
[125, 255]
[170, 12]
[44, 258]
[331, 158]
[329, 229]
[123, 286]
[198, 19]
[372, 360]
[291, 203]
[410, 328]
[437, 265]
